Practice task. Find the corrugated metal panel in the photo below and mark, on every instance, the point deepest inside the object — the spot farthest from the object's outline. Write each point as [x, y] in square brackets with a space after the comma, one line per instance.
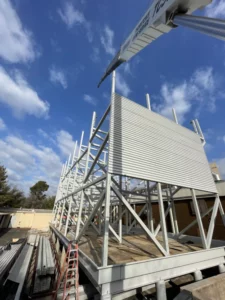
[146, 145]
[7, 257]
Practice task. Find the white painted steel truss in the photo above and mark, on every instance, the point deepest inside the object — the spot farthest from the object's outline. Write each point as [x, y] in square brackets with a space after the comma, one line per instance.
[89, 196]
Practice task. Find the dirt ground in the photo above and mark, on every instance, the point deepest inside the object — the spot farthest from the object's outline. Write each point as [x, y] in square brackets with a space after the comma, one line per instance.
[7, 235]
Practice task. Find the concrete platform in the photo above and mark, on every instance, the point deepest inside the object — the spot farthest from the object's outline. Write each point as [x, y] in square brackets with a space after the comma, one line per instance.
[137, 262]
[209, 289]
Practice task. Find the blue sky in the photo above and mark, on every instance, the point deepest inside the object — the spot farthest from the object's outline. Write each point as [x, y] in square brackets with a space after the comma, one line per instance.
[52, 55]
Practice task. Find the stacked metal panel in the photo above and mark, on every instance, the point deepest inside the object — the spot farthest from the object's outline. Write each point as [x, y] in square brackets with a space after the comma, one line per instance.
[45, 264]
[19, 270]
[42, 284]
[7, 257]
[32, 239]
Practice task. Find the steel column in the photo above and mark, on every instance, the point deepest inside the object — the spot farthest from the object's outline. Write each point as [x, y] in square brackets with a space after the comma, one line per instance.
[106, 222]
[174, 211]
[150, 215]
[199, 220]
[120, 229]
[162, 219]
[142, 224]
[174, 115]
[148, 102]
[212, 221]
[161, 290]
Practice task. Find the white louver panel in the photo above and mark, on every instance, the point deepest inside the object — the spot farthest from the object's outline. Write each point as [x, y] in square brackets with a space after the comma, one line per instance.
[146, 145]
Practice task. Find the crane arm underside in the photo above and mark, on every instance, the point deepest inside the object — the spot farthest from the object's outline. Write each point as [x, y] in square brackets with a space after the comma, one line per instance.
[116, 62]
[157, 21]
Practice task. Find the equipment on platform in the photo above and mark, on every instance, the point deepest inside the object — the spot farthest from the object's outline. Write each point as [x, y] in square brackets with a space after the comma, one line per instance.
[160, 18]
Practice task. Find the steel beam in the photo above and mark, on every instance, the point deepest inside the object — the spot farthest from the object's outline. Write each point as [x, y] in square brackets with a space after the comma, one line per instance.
[97, 129]
[89, 220]
[199, 220]
[76, 162]
[163, 219]
[148, 102]
[212, 221]
[222, 213]
[159, 225]
[150, 215]
[141, 223]
[174, 211]
[206, 25]
[139, 214]
[120, 225]
[87, 185]
[96, 158]
[106, 222]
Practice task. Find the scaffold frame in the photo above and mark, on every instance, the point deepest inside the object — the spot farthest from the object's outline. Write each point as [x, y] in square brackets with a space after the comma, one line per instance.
[89, 196]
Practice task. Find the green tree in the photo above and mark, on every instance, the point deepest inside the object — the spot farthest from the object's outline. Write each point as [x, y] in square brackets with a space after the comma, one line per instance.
[37, 194]
[17, 198]
[38, 190]
[9, 196]
[4, 187]
[49, 202]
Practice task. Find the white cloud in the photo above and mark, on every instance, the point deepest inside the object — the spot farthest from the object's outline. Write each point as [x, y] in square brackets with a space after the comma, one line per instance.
[70, 120]
[177, 97]
[27, 163]
[204, 78]
[16, 93]
[2, 124]
[55, 45]
[58, 76]
[65, 142]
[89, 31]
[89, 99]
[72, 17]
[107, 40]
[216, 9]
[208, 147]
[129, 68]
[121, 85]
[42, 133]
[16, 42]
[13, 176]
[95, 57]
[208, 133]
[48, 137]
[200, 90]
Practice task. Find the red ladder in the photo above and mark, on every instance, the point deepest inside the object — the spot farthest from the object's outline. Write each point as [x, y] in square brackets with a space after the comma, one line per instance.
[69, 274]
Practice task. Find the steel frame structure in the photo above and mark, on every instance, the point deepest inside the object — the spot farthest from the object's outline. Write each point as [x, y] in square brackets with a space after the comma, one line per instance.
[89, 196]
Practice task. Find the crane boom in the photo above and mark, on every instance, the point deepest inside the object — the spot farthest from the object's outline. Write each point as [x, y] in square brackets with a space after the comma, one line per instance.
[155, 22]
